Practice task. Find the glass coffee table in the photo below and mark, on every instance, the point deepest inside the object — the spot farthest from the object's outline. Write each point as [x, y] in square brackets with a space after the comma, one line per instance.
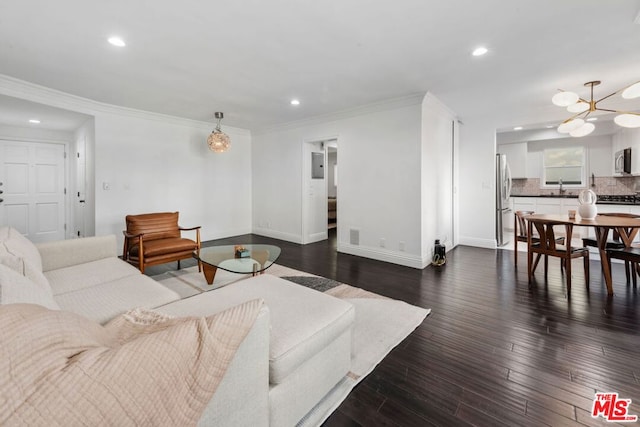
[242, 259]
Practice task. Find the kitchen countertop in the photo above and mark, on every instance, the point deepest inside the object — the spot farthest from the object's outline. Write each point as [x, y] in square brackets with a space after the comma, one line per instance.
[557, 196]
[575, 196]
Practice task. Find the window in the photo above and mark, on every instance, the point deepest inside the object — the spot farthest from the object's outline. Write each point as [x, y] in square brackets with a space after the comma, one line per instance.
[566, 164]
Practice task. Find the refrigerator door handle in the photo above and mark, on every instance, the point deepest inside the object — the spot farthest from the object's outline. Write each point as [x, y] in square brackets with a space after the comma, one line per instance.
[508, 183]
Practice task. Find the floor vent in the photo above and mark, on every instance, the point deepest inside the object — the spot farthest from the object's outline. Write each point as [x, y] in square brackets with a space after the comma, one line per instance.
[354, 236]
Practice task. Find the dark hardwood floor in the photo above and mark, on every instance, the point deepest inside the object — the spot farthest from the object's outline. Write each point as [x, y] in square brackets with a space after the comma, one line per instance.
[493, 351]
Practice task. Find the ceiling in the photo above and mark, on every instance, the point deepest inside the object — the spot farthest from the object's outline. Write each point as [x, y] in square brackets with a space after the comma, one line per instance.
[18, 112]
[250, 58]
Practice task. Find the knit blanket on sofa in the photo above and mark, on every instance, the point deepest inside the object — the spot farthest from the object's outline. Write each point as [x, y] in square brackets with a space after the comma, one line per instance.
[59, 369]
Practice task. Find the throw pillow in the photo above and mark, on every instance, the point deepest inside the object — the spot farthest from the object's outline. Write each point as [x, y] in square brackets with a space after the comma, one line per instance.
[18, 245]
[16, 288]
[59, 368]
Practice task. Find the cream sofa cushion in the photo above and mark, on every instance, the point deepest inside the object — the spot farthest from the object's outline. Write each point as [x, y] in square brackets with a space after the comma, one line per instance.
[88, 274]
[303, 321]
[105, 301]
[16, 288]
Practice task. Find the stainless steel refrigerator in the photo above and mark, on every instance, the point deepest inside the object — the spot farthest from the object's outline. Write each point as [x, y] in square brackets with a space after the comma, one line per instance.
[503, 193]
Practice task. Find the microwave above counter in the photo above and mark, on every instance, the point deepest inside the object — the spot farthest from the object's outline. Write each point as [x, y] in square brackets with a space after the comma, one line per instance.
[622, 162]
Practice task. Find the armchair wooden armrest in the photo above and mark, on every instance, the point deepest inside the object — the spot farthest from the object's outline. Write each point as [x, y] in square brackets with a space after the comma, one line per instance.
[197, 230]
[131, 236]
[127, 236]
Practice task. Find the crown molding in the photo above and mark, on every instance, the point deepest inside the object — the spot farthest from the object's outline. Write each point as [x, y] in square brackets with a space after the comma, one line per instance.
[22, 89]
[375, 107]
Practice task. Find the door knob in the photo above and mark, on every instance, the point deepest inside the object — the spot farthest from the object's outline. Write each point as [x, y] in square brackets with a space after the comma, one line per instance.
[1, 200]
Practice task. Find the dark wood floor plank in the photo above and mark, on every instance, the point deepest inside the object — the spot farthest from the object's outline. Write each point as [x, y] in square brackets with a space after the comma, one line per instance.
[495, 350]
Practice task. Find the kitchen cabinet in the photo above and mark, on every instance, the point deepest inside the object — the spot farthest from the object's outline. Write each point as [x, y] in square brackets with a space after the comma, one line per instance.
[545, 205]
[516, 158]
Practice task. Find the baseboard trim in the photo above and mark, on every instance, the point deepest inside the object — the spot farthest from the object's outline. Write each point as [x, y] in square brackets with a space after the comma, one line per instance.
[274, 234]
[399, 258]
[480, 243]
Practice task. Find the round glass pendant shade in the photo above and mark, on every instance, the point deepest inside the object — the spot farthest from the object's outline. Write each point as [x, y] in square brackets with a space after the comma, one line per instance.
[578, 107]
[218, 141]
[564, 99]
[632, 91]
[628, 120]
[583, 130]
[571, 125]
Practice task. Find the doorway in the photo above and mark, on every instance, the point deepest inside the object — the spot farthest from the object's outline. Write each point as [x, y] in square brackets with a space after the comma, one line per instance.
[315, 189]
[32, 177]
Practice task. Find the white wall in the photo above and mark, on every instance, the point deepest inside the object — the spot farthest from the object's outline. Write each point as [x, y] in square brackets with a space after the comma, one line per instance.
[392, 161]
[477, 182]
[154, 166]
[379, 178]
[155, 162]
[439, 129]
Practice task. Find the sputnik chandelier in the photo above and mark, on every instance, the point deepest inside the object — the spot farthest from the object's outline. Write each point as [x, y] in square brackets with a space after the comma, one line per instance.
[218, 141]
[577, 125]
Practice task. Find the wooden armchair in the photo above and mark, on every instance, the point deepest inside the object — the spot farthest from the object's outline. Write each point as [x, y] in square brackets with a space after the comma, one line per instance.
[155, 238]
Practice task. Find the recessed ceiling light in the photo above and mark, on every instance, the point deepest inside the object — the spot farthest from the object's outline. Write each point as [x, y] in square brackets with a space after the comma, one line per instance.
[517, 128]
[592, 119]
[295, 102]
[479, 51]
[34, 121]
[116, 41]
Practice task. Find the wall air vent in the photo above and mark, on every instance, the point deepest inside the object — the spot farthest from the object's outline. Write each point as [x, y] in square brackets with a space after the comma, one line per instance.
[354, 236]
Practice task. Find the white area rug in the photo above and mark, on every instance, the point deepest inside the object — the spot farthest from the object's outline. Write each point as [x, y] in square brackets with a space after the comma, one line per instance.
[381, 324]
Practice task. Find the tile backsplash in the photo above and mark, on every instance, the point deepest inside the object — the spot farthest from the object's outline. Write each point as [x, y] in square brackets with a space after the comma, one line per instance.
[603, 185]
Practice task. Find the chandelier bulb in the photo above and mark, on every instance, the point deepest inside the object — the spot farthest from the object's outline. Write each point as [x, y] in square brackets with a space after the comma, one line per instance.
[632, 91]
[565, 98]
[628, 120]
[583, 130]
[570, 125]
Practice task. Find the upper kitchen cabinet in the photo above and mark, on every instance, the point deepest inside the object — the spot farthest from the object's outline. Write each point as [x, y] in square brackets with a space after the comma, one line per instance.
[516, 158]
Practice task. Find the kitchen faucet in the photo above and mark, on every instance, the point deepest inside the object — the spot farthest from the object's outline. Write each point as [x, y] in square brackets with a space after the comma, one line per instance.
[561, 190]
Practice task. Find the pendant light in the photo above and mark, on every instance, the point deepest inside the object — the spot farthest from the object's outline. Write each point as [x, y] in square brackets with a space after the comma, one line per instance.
[218, 141]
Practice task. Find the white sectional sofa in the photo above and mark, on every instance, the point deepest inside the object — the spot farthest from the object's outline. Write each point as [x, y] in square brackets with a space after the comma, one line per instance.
[298, 349]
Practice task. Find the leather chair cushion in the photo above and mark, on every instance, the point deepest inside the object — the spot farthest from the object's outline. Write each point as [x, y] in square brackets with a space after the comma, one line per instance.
[160, 225]
[164, 246]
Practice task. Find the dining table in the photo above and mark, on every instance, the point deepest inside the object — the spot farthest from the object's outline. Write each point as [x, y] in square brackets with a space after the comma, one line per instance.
[627, 228]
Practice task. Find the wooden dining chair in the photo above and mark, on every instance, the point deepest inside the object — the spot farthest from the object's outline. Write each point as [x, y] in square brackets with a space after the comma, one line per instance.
[615, 242]
[630, 256]
[520, 234]
[547, 245]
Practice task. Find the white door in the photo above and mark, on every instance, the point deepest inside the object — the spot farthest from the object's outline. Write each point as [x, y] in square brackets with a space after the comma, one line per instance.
[32, 177]
[81, 186]
[314, 193]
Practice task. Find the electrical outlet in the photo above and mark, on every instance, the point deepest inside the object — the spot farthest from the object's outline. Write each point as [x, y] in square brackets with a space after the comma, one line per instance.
[382, 242]
[401, 246]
